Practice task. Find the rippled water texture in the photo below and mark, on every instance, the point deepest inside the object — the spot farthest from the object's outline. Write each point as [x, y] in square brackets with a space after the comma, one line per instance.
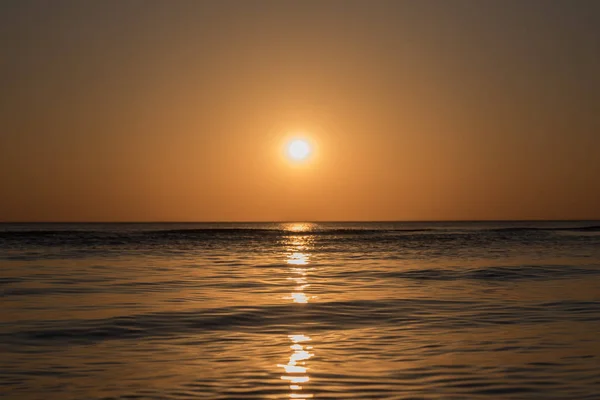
[300, 311]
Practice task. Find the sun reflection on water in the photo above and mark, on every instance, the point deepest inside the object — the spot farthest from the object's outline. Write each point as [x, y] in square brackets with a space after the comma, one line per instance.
[298, 259]
[296, 369]
[299, 226]
[299, 298]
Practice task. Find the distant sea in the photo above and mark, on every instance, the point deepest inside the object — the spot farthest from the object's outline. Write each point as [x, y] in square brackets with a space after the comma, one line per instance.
[446, 310]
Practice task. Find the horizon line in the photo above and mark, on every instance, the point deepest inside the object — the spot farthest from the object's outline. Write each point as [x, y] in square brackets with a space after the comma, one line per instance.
[300, 221]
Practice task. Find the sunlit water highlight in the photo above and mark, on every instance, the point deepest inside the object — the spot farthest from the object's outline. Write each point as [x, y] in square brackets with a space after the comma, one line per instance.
[300, 311]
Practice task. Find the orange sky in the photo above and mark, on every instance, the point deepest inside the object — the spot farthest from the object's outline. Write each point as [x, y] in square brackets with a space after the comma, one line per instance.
[176, 111]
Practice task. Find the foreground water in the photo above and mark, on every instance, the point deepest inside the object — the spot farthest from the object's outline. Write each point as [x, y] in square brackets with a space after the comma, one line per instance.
[280, 311]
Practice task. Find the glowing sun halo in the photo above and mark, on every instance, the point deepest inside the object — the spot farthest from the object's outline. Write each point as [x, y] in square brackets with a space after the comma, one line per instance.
[298, 149]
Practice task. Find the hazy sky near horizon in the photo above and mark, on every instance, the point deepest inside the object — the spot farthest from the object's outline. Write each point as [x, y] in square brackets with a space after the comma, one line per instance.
[419, 110]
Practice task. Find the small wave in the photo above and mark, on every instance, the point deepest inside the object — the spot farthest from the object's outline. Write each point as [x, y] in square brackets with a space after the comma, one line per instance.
[124, 236]
[495, 273]
[409, 313]
[593, 228]
[207, 231]
[45, 233]
[285, 232]
[210, 231]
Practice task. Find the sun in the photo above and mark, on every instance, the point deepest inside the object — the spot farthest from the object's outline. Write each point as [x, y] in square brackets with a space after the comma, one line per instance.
[299, 149]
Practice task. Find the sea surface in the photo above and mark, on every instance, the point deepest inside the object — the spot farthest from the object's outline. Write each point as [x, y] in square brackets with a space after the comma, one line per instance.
[469, 310]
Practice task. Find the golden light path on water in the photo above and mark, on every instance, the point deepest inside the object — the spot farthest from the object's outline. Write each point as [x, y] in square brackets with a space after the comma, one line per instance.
[298, 258]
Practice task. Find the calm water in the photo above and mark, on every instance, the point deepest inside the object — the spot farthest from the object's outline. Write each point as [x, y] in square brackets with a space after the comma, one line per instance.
[280, 311]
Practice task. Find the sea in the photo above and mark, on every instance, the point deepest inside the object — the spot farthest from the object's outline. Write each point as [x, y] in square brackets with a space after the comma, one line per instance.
[369, 310]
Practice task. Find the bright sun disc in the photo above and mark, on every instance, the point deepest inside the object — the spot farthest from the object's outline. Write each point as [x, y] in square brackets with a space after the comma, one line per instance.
[298, 149]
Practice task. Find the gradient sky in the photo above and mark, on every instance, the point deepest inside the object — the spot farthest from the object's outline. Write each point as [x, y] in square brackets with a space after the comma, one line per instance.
[421, 110]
